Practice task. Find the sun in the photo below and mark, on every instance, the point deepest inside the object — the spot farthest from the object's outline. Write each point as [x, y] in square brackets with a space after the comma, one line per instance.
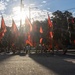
[20, 15]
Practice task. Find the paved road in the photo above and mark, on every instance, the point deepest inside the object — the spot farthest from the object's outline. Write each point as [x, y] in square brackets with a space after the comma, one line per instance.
[37, 64]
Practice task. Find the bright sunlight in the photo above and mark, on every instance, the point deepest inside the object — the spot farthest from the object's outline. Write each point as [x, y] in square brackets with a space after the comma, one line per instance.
[20, 14]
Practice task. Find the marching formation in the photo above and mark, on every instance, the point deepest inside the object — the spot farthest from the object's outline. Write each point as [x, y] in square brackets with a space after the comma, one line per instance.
[28, 36]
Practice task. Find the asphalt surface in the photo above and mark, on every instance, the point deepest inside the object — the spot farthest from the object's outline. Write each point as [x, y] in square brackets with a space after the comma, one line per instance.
[37, 64]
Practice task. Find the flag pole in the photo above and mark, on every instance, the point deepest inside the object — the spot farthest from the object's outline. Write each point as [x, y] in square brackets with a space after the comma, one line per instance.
[52, 38]
[20, 30]
[29, 13]
[20, 14]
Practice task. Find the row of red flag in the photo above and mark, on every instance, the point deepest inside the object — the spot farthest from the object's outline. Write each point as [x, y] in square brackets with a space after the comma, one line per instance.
[16, 33]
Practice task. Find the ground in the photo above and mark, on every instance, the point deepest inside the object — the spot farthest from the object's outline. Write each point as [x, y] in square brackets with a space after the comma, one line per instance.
[37, 64]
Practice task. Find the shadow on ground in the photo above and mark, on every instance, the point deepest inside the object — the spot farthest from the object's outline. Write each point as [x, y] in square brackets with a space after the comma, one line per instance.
[56, 63]
[4, 56]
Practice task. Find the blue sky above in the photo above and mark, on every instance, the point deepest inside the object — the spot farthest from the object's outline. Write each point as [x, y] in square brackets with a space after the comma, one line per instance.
[8, 7]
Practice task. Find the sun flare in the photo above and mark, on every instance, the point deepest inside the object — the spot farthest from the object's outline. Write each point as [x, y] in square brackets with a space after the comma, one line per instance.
[20, 14]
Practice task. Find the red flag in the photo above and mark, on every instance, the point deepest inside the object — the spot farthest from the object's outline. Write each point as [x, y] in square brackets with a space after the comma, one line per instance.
[49, 22]
[14, 29]
[28, 30]
[51, 34]
[41, 30]
[3, 26]
[74, 41]
[29, 40]
[72, 20]
[1, 34]
[27, 21]
[41, 40]
[50, 27]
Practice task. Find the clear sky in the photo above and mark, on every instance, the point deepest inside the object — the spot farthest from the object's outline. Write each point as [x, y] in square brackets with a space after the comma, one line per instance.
[11, 9]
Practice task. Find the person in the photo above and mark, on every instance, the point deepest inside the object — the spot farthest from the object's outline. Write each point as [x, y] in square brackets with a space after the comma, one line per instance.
[24, 48]
[28, 48]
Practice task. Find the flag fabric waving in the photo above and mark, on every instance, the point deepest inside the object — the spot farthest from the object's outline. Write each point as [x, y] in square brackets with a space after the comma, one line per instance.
[14, 34]
[3, 28]
[1, 34]
[49, 22]
[51, 34]
[28, 27]
[29, 40]
[50, 27]
[41, 30]
[72, 20]
[41, 40]
[14, 29]
[27, 21]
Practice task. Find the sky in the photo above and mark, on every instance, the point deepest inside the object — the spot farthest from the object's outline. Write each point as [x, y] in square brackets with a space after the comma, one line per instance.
[10, 9]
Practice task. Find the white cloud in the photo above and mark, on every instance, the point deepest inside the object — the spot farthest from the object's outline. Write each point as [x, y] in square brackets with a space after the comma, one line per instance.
[2, 6]
[40, 15]
[73, 13]
[48, 8]
[7, 19]
[7, 0]
[44, 1]
[14, 0]
[5, 3]
[36, 14]
[32, 4]
[40, 5]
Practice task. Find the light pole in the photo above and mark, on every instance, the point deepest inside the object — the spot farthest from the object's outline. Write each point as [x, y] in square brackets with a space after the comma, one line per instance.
[30, 12]
[21, 9]
[20, 13]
